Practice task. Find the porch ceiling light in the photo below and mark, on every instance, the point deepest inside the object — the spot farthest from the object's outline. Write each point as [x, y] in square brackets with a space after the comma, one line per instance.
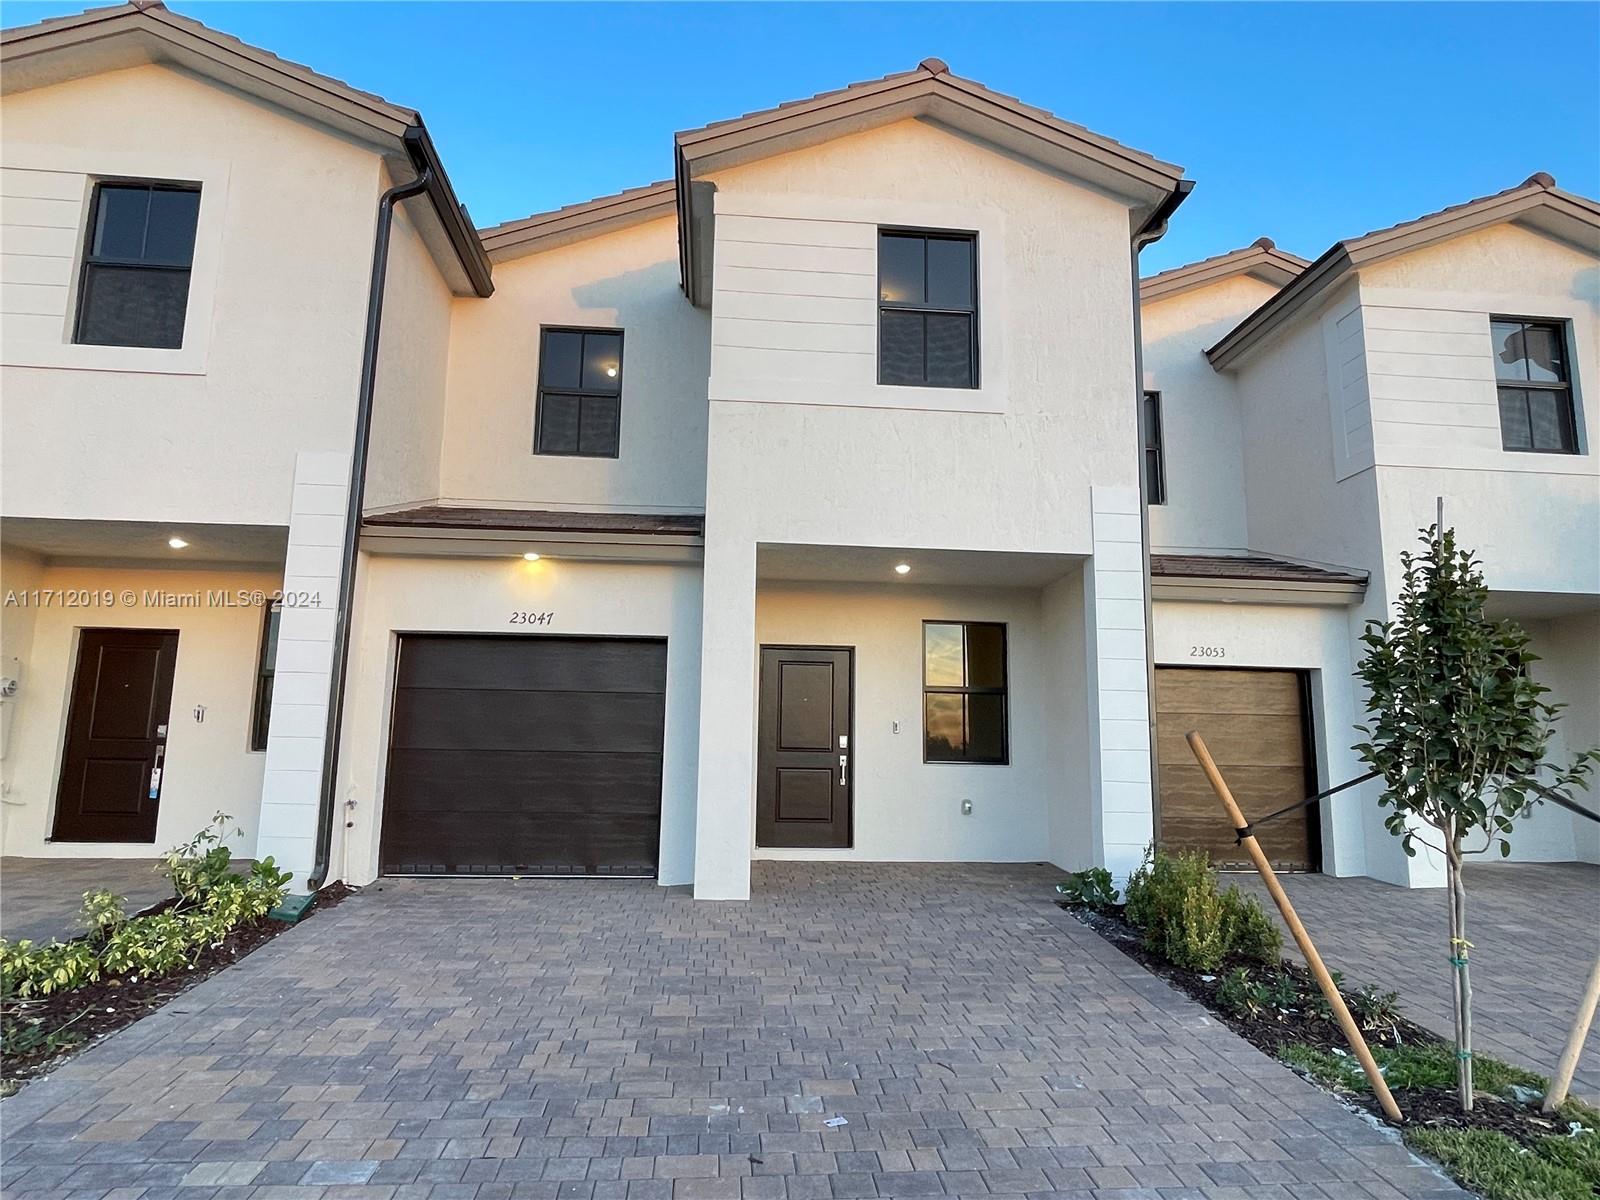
[531, 556]
[177, 543]
[902, 568]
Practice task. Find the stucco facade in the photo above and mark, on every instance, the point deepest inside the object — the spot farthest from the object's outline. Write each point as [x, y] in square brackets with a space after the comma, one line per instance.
[767, 491]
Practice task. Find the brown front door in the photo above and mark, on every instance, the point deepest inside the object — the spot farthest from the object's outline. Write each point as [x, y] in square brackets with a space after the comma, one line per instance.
[803, 761]
[1255, 725]
[116, 736]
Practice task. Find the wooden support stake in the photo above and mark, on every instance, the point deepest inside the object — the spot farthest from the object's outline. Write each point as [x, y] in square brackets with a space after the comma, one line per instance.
[1352, 1032]
[1569, 1056]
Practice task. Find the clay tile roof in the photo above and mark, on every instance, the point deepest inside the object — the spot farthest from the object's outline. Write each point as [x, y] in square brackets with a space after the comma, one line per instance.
[1258, 567]
[1536, 201]
[1261, 259]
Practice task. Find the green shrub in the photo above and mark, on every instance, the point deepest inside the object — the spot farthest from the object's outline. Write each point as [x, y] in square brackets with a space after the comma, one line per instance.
[1199, 936]
[102, 911]
[202, 862]
[1156, 891]
[30, 970]
[1495, 1165]
[1255, 933]
[1091, 889]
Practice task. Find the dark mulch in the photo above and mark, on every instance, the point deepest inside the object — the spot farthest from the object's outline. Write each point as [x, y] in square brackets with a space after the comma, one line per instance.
[69, 1022]
[1432, 1107]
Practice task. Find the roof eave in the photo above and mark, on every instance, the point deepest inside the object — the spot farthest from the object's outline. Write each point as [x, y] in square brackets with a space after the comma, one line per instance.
[575, 222]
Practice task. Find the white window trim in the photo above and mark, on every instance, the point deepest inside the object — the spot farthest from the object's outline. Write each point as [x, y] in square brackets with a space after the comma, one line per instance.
[211, 175]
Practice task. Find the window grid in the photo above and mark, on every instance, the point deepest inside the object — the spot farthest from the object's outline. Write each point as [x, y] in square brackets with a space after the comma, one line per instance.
[1155, 454]
[151, 317]
[911, 318]
[1537, 416]
[998, 713]
[579, 416]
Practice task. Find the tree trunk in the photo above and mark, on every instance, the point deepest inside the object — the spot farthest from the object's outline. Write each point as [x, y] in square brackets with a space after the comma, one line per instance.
[1462, 989]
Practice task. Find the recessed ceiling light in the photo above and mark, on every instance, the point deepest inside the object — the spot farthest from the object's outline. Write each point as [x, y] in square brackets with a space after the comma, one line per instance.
[531, 556]
[177, 543]
[902, 568]
[612, 372]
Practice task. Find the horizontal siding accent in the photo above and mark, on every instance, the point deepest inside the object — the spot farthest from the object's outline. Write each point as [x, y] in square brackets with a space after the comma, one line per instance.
[1432, 380]
[41, 213]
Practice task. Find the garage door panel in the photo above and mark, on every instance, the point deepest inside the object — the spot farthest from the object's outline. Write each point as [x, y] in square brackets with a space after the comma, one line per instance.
[525, 755]
[1239, 739]
[553, 665]
[1253, 723]
[524, 843]
[1218, 690]
[454, 718]
[467, 781]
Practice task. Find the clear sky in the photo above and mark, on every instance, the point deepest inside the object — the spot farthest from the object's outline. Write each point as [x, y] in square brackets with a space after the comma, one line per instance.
[1303, 122]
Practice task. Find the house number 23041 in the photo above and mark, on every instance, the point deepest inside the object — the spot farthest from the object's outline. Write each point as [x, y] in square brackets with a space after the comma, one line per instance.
[1207, 652]
[532, 618]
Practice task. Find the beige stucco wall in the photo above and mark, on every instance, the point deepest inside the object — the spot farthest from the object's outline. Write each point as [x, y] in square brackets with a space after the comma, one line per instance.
[624, 280]
[208, 767]
[1201, 428]
[273, 336]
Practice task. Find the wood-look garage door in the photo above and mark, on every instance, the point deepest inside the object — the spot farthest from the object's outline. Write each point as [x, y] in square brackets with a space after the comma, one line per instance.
[525, 756]
[1254, 723]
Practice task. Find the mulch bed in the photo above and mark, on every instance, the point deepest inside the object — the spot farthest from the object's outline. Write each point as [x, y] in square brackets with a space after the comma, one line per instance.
[87, 1014]
[1423, 1107]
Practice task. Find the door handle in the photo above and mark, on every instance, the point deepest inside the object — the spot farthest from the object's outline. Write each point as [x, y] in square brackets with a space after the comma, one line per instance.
[155, 772]
[844, 761]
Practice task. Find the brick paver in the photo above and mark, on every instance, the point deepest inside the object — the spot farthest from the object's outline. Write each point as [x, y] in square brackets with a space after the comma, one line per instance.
[853, 1030]
[1534, 928]
[40, 897]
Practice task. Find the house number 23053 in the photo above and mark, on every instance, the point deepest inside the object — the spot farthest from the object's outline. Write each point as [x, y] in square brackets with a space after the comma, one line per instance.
[1207, 652]
[532, 618]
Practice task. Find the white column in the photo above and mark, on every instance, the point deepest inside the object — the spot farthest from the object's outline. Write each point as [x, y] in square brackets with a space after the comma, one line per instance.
[289, 793]
[1119, 692]
[725, 804]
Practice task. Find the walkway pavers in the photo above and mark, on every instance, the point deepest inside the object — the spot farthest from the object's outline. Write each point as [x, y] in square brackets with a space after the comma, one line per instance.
[853, 1030]
[40, 897]
[1534, 928]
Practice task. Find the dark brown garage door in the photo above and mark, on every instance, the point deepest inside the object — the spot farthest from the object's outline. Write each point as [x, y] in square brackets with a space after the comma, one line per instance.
[1254, 723]
[525, 756]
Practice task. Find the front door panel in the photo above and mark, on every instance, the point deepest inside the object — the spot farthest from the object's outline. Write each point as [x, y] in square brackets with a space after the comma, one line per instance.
[116, 736]
[804, 784]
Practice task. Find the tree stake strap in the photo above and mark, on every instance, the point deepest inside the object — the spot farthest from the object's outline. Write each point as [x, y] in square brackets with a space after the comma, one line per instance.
[1248, 828]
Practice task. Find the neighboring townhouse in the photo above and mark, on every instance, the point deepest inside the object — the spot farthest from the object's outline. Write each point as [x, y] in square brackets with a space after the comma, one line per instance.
[1443, 358]
[790, 508]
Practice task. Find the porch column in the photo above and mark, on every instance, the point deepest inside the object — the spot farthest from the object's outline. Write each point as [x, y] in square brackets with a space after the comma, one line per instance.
[289, 792]
[1120, 680]
[725, 805]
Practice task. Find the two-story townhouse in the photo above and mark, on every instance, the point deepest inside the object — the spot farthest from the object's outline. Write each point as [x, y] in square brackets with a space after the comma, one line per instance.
[788, 508]
[188, 228]
[1440, 361]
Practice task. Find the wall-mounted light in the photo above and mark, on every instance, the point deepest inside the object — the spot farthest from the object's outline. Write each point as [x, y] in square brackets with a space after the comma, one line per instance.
[530, 556]
[902, 568]
[177, 543]
[612, 372]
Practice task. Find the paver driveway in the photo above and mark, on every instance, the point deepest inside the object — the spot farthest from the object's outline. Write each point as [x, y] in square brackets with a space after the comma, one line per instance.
[591, 1039]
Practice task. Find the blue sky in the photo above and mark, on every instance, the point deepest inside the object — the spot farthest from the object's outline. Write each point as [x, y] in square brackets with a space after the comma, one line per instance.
[1303, 122]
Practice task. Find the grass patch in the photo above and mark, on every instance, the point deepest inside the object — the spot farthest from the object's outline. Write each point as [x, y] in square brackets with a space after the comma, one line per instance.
[1495, 1165]
[1417, 1066]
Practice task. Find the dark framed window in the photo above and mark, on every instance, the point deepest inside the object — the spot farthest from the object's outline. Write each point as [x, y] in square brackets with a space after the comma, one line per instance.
[1535, 385]
[1155, 454]
[136, 262]
[580, 392]
[266, 667]
[927, 308]
[964, 692]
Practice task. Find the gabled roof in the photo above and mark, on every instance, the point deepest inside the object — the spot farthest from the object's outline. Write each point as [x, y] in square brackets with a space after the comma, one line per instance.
[572, 222]
[1261, 259]
[1536, 202]
[1151, 187]
[145, 31]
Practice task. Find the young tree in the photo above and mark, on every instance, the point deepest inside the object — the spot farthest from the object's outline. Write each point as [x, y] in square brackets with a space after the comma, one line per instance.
[1459, 732]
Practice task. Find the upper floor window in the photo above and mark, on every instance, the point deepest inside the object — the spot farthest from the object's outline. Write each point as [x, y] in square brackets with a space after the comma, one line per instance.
[964, 692]
[1535, 385]
[927, 309]
[135, 284]
[1155, 457]
[580, 392]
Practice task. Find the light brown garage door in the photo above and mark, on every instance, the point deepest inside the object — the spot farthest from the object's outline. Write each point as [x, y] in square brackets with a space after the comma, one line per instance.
[1254, 723]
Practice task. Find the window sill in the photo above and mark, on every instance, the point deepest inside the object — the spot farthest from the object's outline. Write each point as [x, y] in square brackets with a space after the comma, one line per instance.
[129, 360]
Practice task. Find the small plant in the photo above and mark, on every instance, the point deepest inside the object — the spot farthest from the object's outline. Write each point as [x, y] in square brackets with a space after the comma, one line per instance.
[29, 970]
[1092, 889]
[1255, 934]
[1156, 892]
[1374, 1010]
[199, 864]
[1175, 901]
[103, 911]
[1199, 938]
